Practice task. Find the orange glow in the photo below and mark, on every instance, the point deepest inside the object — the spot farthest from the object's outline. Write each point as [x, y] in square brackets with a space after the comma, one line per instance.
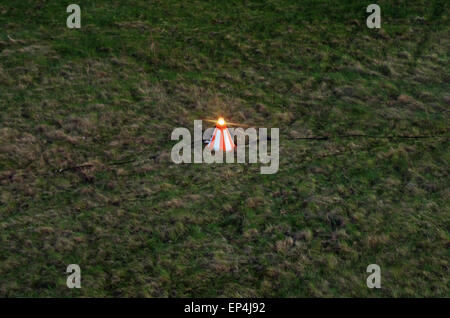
[221, 121]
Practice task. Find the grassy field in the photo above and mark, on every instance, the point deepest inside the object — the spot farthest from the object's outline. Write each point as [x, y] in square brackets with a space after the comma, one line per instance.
[85, 171]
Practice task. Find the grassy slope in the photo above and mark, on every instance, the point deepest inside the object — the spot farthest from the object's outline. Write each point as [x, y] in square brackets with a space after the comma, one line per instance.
[114, 91]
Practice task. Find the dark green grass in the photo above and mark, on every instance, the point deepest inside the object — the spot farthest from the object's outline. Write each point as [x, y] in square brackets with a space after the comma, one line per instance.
[110, 94]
